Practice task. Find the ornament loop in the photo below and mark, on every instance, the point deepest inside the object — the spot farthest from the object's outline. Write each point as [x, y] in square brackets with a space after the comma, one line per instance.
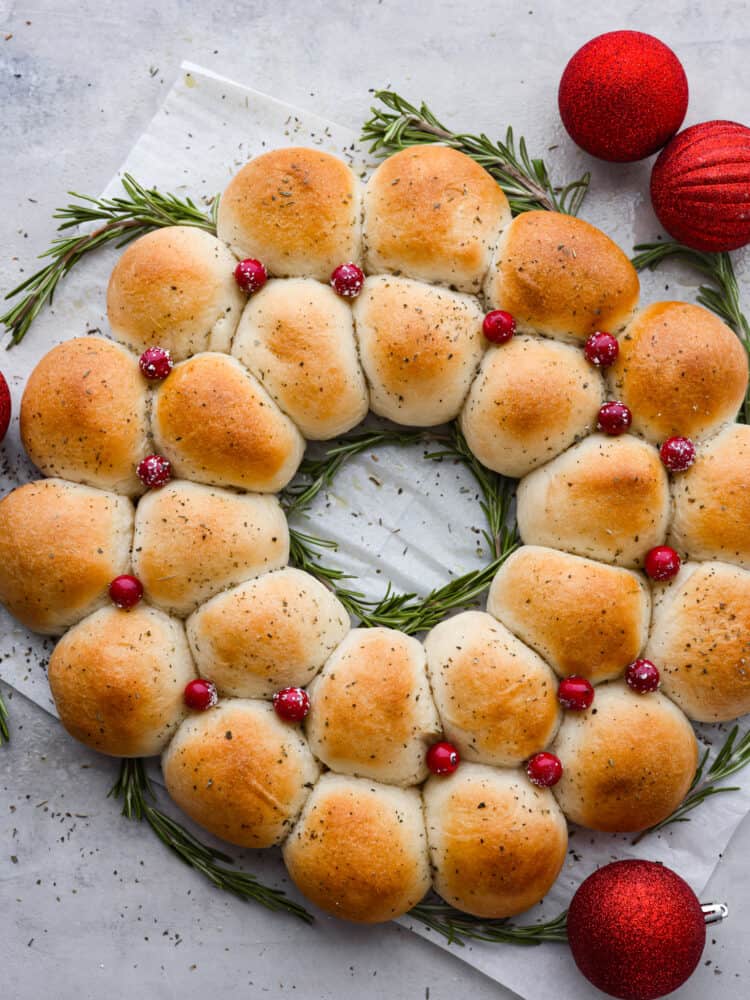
[714, 913]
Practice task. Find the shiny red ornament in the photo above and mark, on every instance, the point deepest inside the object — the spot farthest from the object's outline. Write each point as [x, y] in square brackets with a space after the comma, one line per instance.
[662, 563]
[125, 591]
[200, 694]
[250, 275]
[498, 326]
[154, 471]
[575, 693]
[700, 186]
[347, 280]
[443, 758]
[292, 704]
[544, 769]
[642, 676]
[636, 930]
[677, 454]
[5, 407]
[623, 95]
[155, 364]
[614, 418]
[601, 349]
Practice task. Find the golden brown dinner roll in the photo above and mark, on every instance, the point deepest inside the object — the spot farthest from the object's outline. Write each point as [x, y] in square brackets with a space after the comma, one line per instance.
[582, 616]
[700, 640]
[606, 497]
[359, 850]
[496, 698]
[497, 843]
[628, 761]
[118, 679]
[680, 370]
[531, 400]
[83, 414]
[371, 712]
[297, 338]
[420, 347]
[240, 772]
[561, 276]
[711, 500]
[267, 634]
[297, 210]
[61, 545]
[174, 288]
[192, 541]
[216, 423]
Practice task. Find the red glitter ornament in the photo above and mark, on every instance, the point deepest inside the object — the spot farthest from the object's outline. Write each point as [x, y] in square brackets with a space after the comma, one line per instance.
[575, 693]
[677, 454]
[623, 95]
[443, 758]
[292, 704]
[5, 406]
[200, 694]
[700, 186]
[544, 769]
[636, 930]
[661, 563]
[498, 326]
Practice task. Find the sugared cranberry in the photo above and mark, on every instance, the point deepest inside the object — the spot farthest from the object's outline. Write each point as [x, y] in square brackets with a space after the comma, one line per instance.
[575, 693]
[292, 704]
[677, 454]
[154, 471]
[498, 326]
[443, 758]
[200, 694]
[125, 591]
[347, 280]
[250, 275]
[155, 364]
[544, 769]
[601, 349]
[661, 563]
[642, 676]
[614, 418]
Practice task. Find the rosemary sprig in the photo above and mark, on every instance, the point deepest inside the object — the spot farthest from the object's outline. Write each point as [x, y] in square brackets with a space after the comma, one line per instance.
[4, 728]
[124, 218]
[134, 788]
[524, 179]
[458, 927]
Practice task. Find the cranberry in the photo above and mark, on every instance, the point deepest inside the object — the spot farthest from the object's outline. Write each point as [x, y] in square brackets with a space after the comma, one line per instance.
[614, 418]
[443, 758]
[155, 364]
[200, 694]
[575, 693]
[347, 280]
[677, 454]
[498, 326]
[154, 471]
[544, 769]
[292, 704]
[601, 349]
[662, 563]
[125, 591]
[250, 275]
[642, 676]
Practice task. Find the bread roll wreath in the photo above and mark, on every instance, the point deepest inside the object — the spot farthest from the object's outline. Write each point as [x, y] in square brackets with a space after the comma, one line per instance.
[159, 552]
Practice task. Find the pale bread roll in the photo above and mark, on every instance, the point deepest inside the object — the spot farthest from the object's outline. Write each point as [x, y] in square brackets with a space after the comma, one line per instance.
[680, 370]
[700, 640]
[296, 210]
[496, 698]
[267, 634]
[531, 400]
[583, 617]
[297, 338]
[606, 498]
[371, 711]
[118, 679]
[192, 541]
[217, 424]
[561, 276]
[628, 761]
[433, 213]
[359, 849]
[240, 772]
[61, 545]
[84, 417]
[420, 347]
[497, 843]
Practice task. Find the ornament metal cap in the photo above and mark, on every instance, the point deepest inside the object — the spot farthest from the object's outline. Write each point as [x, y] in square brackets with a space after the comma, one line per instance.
[714, 913]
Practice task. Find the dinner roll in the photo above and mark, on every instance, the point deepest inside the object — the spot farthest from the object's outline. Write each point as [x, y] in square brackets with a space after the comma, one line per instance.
[371, 711]
[497, 700]
[628, 761]
[60, 547]
[606, 497]
[561, 276]
[267, 634]
[531, 400]
[216, 423]
[174, 288]
[711, 500]
[118, 679]
[582, 616]
[433, 213]
[240, 772]
[297, 338]
[297, 210]
[83, 415]
[497, 843]
[420, 347]
[700, 640]
[359, 850]
[680, 370]
[192, 541]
